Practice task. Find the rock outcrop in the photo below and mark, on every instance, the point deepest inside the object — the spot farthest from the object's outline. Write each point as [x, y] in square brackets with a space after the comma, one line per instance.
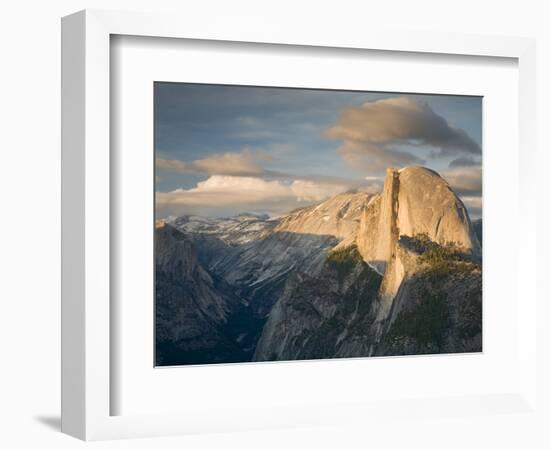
[436, 308]
[412, 285]
[316, 314]
[260, 266]
[415, 200]
[339, 216]
[357, 275]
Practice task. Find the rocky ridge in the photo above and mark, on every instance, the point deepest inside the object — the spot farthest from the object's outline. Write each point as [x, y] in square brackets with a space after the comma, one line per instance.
[414, 201]
[417, 237]
[398, 272]
[260, 265]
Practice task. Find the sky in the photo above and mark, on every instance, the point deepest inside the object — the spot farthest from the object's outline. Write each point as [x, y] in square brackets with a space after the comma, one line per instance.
[224, 150]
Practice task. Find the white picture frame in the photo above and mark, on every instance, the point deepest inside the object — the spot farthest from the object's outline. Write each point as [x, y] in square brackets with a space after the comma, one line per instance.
[86, 219]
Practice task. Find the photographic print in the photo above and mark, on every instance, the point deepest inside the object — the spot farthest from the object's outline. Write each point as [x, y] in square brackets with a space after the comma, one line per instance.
[299, 224]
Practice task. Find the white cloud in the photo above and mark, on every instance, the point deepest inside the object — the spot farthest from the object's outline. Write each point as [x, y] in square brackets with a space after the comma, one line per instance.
[238, 194]
[310, 191]
[219, 190]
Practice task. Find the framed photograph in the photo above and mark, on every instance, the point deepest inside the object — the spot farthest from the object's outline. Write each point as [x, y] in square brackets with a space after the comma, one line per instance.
[267, 229]
[299, 224]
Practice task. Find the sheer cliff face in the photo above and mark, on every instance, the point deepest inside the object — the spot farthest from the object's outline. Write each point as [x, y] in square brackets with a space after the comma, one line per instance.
[414, 201]
[412, 282]
[316, 314]
[418, 235]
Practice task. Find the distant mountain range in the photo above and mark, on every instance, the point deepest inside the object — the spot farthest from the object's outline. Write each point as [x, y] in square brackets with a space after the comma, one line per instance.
[398, 272]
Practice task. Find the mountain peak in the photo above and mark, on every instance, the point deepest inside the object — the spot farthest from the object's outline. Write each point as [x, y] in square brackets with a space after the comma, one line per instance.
[337, 216]
[415, 200]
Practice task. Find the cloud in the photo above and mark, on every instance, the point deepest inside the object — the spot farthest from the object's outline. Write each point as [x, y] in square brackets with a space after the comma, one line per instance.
[219, 190]
[223, 193]
[244, 163]
[463, 161]
[375, 158]
[373, 133]
[465, 181]
[310, 191]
